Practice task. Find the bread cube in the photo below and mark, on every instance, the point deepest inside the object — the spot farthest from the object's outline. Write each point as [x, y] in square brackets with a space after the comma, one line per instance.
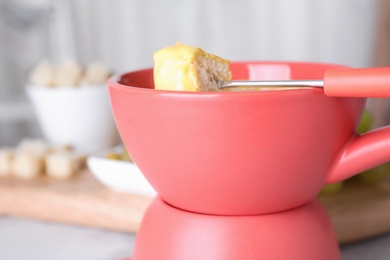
[188, 68]
[6, 157]
[96, 74]
[63, 165]
[43, 74]
[69, 74]
[27, 164]
[34, 146]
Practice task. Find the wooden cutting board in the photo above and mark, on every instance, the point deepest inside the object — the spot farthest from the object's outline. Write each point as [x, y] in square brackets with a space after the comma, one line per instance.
[80, 201]
[358, 212]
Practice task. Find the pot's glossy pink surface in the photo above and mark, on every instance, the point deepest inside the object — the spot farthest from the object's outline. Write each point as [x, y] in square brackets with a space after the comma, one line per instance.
[243, 153]
[304, 233]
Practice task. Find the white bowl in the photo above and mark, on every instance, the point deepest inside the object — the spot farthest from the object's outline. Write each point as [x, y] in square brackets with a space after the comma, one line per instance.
[118, 175]
[79, 116]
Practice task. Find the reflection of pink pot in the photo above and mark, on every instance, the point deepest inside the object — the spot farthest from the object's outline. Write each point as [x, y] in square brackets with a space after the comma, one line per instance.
[243, 153]
[302, 233]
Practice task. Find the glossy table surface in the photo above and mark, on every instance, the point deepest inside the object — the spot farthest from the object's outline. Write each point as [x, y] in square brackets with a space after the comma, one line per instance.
[30, 239]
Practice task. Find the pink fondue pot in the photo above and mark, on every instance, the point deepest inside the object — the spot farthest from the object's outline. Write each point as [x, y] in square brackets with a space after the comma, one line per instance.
[237, 173]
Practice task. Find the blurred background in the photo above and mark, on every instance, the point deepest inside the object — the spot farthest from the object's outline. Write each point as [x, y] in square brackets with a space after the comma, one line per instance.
[123, 35]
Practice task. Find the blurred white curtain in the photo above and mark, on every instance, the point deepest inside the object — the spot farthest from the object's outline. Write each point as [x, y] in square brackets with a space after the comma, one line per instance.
[124, 34]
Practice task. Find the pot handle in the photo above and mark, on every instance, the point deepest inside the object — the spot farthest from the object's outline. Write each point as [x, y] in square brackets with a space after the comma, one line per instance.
[361, 153]
[361, 82]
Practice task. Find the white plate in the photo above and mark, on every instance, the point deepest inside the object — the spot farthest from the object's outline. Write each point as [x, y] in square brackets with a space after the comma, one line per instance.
[118, 175]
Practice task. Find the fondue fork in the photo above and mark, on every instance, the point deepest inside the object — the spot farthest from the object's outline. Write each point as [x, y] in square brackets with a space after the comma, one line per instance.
[273, 83]
[350, 82]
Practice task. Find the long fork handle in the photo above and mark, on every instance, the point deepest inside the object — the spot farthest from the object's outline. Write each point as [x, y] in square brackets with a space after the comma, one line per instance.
[363, 82]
